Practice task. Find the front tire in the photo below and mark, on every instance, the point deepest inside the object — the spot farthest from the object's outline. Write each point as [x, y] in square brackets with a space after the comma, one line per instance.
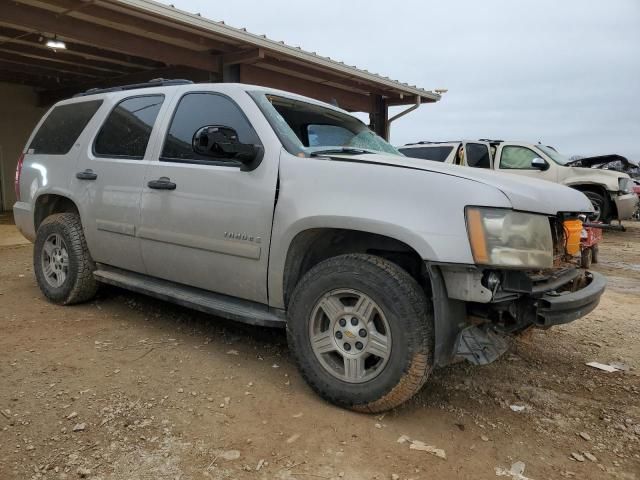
[61, 260]
[361, 331]
[600, 206]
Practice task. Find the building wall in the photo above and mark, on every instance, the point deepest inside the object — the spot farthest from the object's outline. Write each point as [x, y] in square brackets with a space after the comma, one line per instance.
[19, 113]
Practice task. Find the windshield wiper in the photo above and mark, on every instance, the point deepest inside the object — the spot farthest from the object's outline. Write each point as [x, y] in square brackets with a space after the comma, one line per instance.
[343, 150]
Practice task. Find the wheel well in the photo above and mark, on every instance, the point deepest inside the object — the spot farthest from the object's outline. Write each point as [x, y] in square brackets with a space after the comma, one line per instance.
[49, 204]
[591, 188]
[313, 246]
[600, 190]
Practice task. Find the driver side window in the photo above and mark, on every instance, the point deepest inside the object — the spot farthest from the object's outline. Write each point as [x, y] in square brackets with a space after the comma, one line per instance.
[196, 110]
[518, 158]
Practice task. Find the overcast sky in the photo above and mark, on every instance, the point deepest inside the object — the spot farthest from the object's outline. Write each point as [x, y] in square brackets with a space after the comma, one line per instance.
[566, 73]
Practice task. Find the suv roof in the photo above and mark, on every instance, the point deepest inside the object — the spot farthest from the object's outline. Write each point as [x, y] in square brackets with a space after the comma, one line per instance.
[156, 82]
[187, 85]
[427, 142]
[450, 142]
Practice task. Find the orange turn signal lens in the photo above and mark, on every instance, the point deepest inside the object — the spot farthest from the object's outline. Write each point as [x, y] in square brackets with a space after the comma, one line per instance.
[477, 236]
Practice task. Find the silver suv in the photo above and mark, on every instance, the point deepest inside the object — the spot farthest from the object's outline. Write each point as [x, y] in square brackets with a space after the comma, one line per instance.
[278, 210]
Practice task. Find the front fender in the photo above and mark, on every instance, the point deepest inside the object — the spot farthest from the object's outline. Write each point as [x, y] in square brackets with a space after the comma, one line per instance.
[605, 179]
[422, 209]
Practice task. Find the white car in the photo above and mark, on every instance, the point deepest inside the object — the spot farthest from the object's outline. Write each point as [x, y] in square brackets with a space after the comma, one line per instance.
[610, 192]
[273, 209]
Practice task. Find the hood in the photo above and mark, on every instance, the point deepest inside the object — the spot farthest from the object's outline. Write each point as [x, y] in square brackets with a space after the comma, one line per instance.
[611, 163]
[525, 194]
[600, 160]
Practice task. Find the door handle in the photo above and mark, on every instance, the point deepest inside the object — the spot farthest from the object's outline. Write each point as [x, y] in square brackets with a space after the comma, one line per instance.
[87, 174]
[163, 183]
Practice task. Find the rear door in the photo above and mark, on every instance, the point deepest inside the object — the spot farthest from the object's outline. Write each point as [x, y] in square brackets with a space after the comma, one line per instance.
[212, 228]
[110, 177]
[477, 155]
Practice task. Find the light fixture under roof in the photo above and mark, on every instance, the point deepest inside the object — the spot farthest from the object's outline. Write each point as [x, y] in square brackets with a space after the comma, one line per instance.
[55, 44]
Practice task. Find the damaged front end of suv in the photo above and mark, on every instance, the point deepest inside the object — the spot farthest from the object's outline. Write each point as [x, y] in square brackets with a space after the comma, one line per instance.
[526, 275]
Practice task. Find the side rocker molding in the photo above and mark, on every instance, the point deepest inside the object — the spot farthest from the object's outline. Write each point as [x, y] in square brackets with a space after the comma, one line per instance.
[195, 298]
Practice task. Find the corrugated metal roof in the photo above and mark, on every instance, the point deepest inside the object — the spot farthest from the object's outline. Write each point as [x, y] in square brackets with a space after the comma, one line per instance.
[241, 35]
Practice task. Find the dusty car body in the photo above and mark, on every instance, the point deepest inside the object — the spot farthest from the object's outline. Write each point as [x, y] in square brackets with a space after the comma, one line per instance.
[278, 210]
[609, 191]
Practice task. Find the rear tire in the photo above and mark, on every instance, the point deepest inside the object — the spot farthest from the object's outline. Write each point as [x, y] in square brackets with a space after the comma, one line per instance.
[61, 260]
[383, 315]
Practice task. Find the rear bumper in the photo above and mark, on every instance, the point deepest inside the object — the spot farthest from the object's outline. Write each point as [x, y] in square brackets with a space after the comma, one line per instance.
[557, 309]
[23, 216]
[626, 205]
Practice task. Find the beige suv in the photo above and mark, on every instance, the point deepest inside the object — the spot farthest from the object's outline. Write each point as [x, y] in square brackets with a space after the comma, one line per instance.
[610, 192]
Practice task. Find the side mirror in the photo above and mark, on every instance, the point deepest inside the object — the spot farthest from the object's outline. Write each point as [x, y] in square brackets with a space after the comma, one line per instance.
[217, 141]
[540, 164]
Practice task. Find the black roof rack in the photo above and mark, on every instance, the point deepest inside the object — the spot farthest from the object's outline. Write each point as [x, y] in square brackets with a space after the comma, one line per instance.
[424, 142]
[156, 82]
[490, 140]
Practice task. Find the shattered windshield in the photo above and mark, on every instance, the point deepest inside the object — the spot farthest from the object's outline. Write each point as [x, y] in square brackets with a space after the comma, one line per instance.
[307, 128]
[555, 156]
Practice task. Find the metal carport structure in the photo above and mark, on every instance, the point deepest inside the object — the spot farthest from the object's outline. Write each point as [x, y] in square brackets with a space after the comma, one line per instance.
[112, 42]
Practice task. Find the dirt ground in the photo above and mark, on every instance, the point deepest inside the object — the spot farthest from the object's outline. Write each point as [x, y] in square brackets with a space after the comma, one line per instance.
[127, 387]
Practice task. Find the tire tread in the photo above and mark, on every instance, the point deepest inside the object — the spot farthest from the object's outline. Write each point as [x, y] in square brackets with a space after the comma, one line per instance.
[392, 278]
[85, 286]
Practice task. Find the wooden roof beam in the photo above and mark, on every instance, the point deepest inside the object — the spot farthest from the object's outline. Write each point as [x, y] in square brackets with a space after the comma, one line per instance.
[109, 38]
[322, 76]
[46, 54]
[49, 65]
[6, 66]
[35, 80]
[111, 16]
[12, 36]
[348, 100]
[242, 56]
[53, 95]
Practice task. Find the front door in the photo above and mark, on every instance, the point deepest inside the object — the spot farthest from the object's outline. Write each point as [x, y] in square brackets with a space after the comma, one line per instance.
[518, 159]
[206, 223]
[109, 181]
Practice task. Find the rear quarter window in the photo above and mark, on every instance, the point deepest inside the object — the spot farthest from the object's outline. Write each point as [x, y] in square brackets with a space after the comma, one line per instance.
[437, 154]
[62, 127]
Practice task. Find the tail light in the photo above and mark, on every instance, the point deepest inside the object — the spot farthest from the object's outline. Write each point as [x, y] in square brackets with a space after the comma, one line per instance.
[18, 173]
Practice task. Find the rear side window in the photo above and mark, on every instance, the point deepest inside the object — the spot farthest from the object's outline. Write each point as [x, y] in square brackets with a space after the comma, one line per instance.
[128, 127]
[478, 155]
[62, 127]
[438, 154]
[197, 110]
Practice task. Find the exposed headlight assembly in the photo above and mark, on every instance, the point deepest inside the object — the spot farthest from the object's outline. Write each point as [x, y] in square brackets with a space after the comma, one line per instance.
[625, 185]
[504, 238]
